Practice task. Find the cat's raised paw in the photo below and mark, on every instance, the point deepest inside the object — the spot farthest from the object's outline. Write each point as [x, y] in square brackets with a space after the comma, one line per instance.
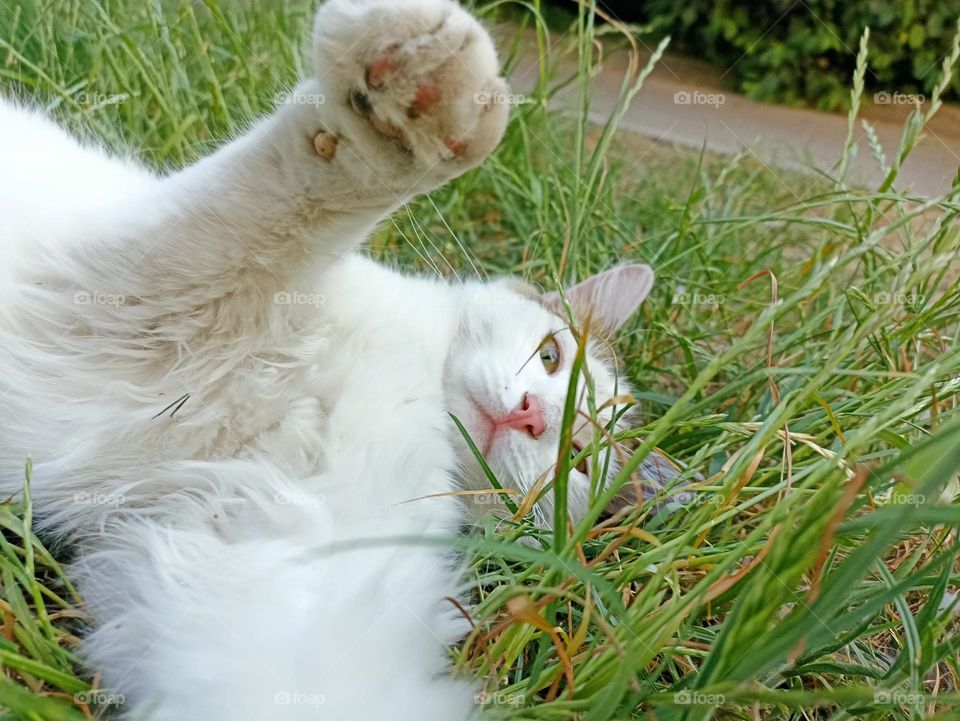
[422, 74]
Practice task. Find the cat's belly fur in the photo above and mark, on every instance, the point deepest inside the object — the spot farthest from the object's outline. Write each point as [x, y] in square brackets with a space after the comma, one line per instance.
[348, 374]
[294, 493]
[328, 376]
[353, 387]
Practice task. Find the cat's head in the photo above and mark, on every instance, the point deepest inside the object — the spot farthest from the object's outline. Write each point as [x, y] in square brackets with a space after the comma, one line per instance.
[508, 375]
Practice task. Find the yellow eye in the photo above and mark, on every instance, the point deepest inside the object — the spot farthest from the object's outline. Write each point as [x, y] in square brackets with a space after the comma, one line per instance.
[550, 355]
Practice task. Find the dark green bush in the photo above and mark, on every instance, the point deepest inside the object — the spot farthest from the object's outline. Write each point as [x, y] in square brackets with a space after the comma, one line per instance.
[804, 51]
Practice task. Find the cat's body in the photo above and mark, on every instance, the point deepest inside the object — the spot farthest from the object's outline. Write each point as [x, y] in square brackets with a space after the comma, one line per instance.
[243, 425]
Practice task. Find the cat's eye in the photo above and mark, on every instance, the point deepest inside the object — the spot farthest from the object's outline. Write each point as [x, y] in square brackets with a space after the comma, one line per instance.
[550, 355]
[584, 465]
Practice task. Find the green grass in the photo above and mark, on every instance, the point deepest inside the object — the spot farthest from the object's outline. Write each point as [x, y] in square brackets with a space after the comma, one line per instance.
[800, 351]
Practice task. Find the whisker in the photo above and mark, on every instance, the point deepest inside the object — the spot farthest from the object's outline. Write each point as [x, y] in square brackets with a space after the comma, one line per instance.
[176, 405]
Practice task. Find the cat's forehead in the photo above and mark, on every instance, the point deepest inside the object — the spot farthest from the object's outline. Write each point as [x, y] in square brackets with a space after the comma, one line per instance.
[508, 313]
[510, 306]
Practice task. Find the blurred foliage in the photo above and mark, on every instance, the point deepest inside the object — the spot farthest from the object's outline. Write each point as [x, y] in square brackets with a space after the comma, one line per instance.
[804, 52]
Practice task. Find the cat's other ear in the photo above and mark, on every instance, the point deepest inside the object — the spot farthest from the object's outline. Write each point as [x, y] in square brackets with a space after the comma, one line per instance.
[609, 299]
[656, 475]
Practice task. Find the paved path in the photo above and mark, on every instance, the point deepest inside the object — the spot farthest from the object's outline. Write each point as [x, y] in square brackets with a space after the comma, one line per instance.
[685, 101]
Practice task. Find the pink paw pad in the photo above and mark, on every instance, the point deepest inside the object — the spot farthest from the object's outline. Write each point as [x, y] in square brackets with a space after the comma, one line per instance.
[378, 70]
[457, 147]
[427, 96]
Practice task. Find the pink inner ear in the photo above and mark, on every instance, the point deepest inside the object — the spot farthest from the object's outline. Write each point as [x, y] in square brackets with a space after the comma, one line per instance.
[609, 298]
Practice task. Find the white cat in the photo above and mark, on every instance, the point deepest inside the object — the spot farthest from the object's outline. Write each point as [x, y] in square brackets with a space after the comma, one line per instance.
[235, 417]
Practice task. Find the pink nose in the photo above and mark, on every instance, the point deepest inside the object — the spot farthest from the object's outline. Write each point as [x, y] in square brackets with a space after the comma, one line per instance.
[527, 417]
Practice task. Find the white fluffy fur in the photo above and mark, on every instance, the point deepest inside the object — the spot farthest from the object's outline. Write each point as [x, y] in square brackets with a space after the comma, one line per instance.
[239, 550]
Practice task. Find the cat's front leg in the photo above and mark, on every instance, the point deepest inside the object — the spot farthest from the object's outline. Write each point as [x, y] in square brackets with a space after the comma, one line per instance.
[412, 94]
[404, 96]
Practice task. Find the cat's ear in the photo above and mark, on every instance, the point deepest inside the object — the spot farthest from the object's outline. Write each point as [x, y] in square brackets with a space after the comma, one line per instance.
[609, 299]
[656, 476]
